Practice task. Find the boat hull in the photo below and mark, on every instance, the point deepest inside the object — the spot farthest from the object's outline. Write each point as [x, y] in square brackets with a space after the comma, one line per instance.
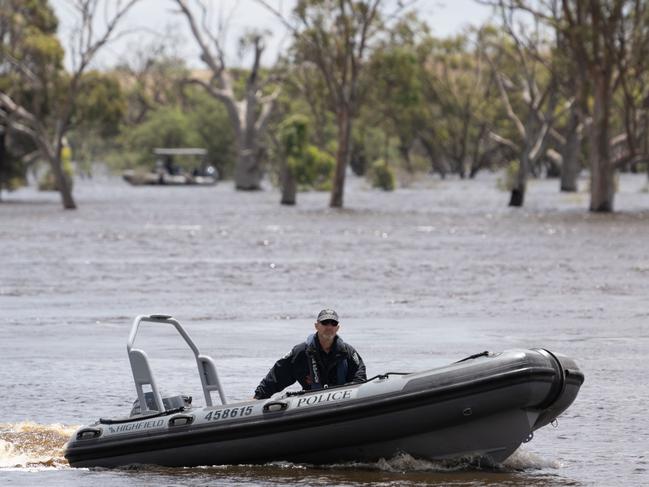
[480, 409]
[136, 178]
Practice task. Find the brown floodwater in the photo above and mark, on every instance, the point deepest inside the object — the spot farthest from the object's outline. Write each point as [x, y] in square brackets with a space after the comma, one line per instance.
[421, 277]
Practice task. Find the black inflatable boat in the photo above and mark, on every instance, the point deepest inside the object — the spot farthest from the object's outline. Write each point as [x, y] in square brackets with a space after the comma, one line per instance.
[482, 408]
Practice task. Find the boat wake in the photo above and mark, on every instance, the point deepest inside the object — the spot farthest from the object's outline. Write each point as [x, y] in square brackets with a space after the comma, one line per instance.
[518, 461]
[522, 459]
[32, 445]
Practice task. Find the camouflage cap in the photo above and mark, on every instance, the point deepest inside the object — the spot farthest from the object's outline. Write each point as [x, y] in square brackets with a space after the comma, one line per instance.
[327, 314]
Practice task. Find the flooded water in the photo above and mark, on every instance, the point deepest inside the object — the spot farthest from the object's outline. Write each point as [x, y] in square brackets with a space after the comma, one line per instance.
[421, 277]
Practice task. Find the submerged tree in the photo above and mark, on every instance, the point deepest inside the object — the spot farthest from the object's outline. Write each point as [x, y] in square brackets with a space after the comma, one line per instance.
[335, 36]
[603, 38]
[38, 97]
[461, 102]
[393, 85]
[539, 98]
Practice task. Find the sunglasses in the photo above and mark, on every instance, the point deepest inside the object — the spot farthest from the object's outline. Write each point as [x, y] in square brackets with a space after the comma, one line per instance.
[329, 323]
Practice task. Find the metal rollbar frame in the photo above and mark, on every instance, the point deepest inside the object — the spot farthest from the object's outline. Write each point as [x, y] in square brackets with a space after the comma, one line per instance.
[141, 369]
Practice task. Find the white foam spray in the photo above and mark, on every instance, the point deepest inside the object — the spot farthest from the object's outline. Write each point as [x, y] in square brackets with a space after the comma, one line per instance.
[29, 445]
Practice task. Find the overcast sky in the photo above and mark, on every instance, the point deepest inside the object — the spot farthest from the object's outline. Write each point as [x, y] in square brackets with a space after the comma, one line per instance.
[151, 18]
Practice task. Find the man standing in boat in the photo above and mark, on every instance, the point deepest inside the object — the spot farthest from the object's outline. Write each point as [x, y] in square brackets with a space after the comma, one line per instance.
[324, 360]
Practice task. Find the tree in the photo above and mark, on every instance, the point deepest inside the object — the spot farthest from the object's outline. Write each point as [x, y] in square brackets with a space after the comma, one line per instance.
[539, 96]
[31, 46]
[293, 136]
[603, 38]
[569, 137]
[249, 115]
[592, 32]
[38, 97]
[305, 83]
[393, 84]
[152, 78]
[460, 102]
[99, 110]
[334, 37]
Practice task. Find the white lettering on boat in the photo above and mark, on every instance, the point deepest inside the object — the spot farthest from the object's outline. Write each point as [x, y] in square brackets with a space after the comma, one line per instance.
[324, 397]
[143, 425]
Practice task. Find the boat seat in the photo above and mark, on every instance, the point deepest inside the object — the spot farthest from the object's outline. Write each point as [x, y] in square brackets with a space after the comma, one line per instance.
[143, 377]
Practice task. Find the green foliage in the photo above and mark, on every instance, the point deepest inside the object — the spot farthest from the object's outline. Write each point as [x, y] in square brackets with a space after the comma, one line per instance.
[315, 170]
[293, 133]
[101, 103]
[369, 143]
[208, 120]
[382, 175]
[42, 49]
[37, 13]
[13, 173]
[164, 127]
[99, 112]
[28, 39]
[48, 181]
[395, 84]
[203, 122]
[311, 167]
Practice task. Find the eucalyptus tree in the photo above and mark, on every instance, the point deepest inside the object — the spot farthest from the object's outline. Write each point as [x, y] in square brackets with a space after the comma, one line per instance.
[567, 134]
[431, 91]
[603, 38]
[394, 95]
[602, 35]
[38, 97]
[335, 36]
[305, 83]
[539, 97]
[392, 87]
[632, 101]
[249, 115]
[461, 102]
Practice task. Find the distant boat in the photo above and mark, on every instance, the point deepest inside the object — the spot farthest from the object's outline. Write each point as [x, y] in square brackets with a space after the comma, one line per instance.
[167, 172]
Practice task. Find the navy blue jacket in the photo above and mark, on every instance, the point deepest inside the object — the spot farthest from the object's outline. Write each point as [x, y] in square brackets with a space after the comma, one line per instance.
[309, 365]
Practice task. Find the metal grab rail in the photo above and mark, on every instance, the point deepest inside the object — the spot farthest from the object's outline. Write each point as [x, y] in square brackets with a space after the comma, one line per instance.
[141, 369]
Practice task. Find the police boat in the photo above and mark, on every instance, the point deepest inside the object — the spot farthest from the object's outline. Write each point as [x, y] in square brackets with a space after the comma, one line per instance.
[481, 408]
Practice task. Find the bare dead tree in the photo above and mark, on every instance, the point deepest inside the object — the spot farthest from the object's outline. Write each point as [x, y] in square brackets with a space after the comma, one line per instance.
[250, 115]
[540, 100]
[48, 132]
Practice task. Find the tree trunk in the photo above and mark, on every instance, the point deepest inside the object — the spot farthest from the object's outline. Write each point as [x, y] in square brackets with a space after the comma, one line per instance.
[645, 138]
[404, 149]
[602, 188]
[461, 170]
[62, 183]
[435, 166]
[342, 156]
[289, 187]
[476, 165]
[247, 173]
[570, 160]
[3, 157]
[464, 143]
[518, 191]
